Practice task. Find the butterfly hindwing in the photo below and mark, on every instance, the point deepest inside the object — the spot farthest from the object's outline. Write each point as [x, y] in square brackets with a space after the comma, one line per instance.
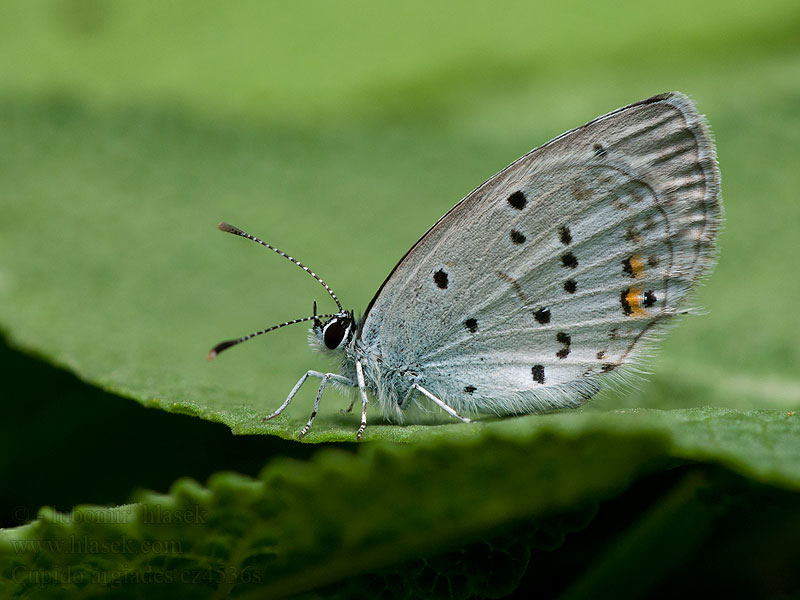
[556, 270]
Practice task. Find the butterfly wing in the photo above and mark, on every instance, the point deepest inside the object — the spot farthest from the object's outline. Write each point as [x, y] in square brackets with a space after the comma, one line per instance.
[558, 268]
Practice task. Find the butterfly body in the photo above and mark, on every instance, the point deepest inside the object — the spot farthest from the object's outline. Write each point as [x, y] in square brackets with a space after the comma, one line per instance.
[550, 277]
[389, 381]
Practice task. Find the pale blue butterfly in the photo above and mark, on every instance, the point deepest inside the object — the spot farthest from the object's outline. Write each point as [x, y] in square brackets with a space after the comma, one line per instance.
[548, 278]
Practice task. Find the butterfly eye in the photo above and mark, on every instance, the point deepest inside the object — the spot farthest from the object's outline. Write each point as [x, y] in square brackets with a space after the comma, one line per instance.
[333, 334]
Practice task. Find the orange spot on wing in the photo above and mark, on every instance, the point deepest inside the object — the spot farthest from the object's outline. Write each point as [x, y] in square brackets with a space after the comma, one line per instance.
[634, 298]
[637, 266]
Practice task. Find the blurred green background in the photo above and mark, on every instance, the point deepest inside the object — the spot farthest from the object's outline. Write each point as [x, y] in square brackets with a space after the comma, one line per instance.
[339, 132]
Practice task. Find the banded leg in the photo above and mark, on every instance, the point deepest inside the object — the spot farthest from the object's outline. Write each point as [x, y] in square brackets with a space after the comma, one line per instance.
[318, 375]
[325, 378]
[445, 407]
[362, 387]
[290, 397]
[305, 429]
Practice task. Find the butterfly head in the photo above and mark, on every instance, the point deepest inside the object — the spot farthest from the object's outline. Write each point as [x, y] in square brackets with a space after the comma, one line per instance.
[335, 333]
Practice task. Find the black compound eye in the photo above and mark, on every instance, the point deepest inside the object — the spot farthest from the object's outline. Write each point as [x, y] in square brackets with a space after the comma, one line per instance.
[334, 333]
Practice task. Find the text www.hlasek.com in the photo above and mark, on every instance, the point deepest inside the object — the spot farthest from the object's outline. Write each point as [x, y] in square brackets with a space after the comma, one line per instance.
[86, 545]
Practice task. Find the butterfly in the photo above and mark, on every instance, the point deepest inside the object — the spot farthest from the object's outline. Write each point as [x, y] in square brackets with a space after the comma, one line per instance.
[549, 278]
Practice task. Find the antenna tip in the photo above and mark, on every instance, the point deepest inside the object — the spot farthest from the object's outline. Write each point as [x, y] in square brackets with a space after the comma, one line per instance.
[223, 226]
[220, 347]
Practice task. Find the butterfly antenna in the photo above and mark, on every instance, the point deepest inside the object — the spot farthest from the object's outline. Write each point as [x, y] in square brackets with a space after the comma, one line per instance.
[236, 231]
[227, 344]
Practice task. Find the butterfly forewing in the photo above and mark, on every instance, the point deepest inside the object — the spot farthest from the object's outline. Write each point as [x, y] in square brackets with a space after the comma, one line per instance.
[554, 271]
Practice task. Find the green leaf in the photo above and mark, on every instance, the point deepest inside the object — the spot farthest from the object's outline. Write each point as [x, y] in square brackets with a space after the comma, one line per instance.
[302, 525]
[112, 265]
[339, 135]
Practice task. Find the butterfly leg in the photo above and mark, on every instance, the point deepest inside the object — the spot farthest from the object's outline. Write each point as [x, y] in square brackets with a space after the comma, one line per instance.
[445, 407]
[325, 378]
[305, 429]
[298, 385]
[349, 408]
[362, 387]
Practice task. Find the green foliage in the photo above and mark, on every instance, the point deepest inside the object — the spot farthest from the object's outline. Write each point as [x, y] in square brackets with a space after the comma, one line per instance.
[302, 525]
[340, 134]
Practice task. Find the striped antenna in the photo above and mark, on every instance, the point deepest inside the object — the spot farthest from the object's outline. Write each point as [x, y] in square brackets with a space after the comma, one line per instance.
[225, 345]
[236, 231]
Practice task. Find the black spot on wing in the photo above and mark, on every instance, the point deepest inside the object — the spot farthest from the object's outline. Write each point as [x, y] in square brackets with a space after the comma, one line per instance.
[649, 299]
[518, 200]
[472, 325]
[538, 373]
[623, 300]
[627, 268]
[542, 315]
[517, 237]
[565, 236]
[570, 286]
[470, 388]
[440, 279]
[569, 261]
[563, 338]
